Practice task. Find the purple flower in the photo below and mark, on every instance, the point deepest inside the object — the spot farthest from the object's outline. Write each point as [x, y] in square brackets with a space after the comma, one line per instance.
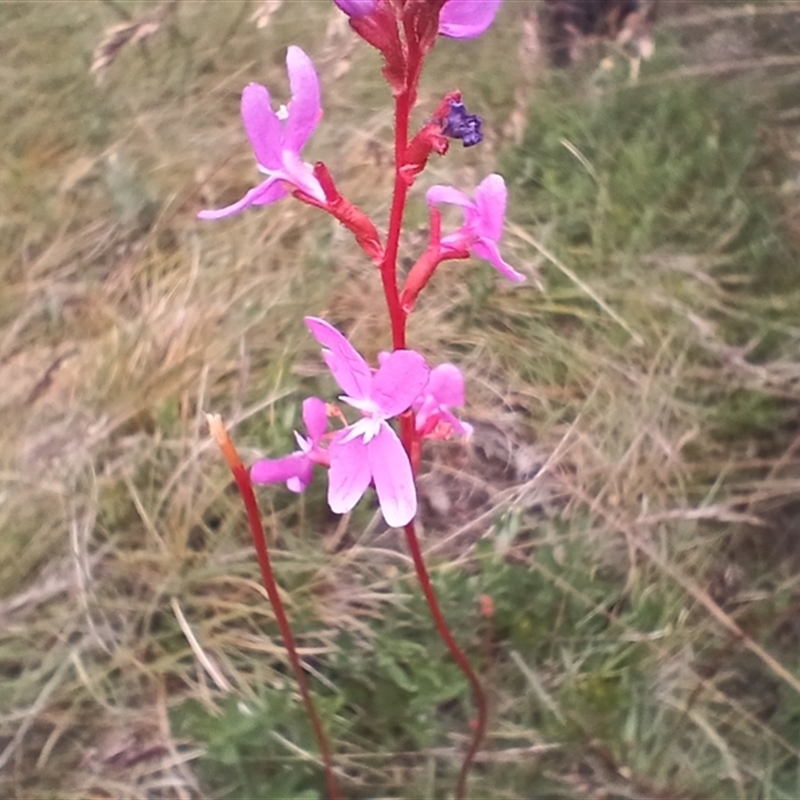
[296, 469]
[465, 19]
[369, 451]
[445, 389]
[483, 221]
[356, 8]
[278, 138]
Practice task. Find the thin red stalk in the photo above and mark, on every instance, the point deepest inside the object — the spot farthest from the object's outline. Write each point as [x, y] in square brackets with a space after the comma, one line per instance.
[458, 656]
[398, 319]
[402, 112]
[242, 478]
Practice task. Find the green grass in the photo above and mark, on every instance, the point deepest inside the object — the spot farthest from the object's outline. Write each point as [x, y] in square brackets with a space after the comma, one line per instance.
[629, 500]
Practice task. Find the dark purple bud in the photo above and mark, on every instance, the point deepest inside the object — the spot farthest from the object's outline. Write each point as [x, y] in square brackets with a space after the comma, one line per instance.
[460, 124]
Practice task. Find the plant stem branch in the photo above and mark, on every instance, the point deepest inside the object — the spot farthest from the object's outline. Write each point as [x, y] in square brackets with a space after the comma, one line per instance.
[242, 478]
[402, 113]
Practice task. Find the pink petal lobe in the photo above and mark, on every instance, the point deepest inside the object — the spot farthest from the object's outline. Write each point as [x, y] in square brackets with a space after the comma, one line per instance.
[491, 196]
[262, 125]
[352, 373]
[394, 479]
[304, 108]
[459, 427]
[356, 8]
[458, 240]
[349, 474]
[301, 175]
[465, 19]
[265, 193]
[446, 384]
[294, 469]
[315, 417]
[399, 381]
[447, 194]
[487, 250]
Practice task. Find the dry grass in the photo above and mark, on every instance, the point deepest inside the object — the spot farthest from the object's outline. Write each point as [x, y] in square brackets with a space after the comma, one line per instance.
[628, 501]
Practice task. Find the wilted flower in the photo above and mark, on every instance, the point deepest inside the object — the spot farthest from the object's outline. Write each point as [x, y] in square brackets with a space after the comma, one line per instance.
[460, 124]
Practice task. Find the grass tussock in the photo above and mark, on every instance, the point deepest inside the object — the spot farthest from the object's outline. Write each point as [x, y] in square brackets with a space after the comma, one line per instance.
[617, 549]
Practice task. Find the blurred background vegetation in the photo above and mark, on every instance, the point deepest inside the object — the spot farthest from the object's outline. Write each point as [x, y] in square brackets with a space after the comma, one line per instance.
[629, 502]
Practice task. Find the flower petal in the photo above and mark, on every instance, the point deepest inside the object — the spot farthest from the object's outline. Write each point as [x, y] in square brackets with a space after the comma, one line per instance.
[487, 249]
[301, 175]
[356, 8]
[446, 385]
[491, 196]
[352, 373]
[315, 417]
[349, 474]
[394, 480]
[458, 240]
[262, 125]
[427, 416]
[304, 109]
[399, 381]
[265, 193]
[295, 469]
[465, 19]
[447, 194]
[458, 426]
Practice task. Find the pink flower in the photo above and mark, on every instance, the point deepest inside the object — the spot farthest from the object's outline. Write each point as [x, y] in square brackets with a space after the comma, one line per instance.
[369, 451]
[465, 19]
[356, 8]
[459, 19]
[483, 221]
[445, 389]
[296, 469]
[278, 138]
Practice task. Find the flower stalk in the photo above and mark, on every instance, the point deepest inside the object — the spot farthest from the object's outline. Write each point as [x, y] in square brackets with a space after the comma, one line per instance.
[245, 486]
[399, 316]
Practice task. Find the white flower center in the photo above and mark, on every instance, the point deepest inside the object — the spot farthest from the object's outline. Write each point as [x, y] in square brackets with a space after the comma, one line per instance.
[370, 423]
[367, 428]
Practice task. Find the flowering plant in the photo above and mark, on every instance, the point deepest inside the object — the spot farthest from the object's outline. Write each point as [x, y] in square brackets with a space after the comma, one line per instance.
[402, 389]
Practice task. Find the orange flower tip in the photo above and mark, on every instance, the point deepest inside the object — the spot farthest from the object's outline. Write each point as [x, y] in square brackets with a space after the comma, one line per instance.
[217, 428]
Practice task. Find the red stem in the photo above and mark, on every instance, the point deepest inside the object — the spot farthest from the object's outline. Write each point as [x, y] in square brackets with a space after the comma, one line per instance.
[458, 656]
[242, 478]
[398, 318]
